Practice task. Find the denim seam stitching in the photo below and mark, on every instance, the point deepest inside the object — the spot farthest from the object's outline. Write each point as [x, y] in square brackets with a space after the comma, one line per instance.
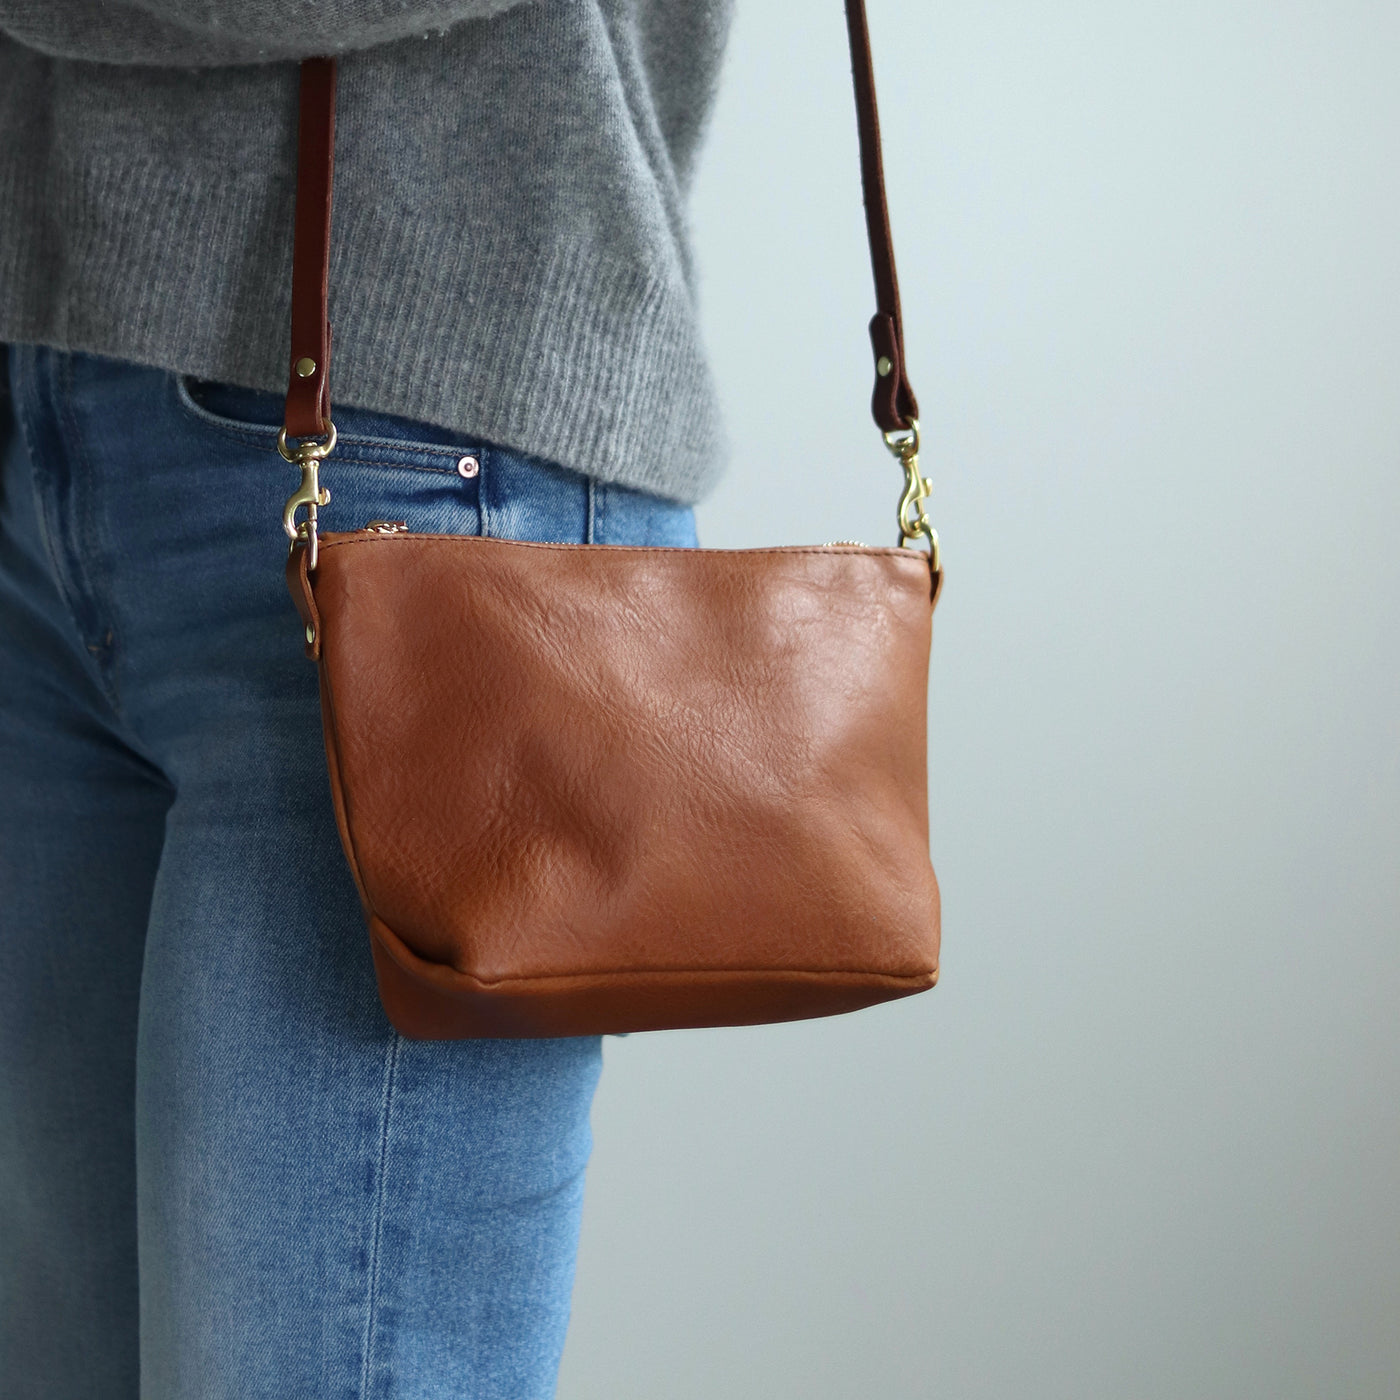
[266, 435]
[372, 1281]
[345, 455]
[352, 461]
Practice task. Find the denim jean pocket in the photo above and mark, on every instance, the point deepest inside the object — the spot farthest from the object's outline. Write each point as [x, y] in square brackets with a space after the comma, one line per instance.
[384, 467]
[435, 479]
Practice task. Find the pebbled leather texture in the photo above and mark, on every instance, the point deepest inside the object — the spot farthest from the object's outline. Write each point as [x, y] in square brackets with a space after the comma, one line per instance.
[592, 788]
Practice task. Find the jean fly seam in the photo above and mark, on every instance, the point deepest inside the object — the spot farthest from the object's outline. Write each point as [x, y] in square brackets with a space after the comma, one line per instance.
[65, 585]
[85, 522]
[381, 1191]
[41, 515]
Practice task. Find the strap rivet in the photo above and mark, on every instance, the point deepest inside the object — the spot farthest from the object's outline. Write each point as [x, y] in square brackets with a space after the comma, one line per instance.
[305, 367]
[310, 635]
[883, 366]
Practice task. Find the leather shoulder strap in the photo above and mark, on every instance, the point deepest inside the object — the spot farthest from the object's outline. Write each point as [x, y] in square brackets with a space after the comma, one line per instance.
[893, 403]
[308, 388]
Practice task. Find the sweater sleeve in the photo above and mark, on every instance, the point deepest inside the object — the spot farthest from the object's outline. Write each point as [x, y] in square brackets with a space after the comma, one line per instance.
[213, 33]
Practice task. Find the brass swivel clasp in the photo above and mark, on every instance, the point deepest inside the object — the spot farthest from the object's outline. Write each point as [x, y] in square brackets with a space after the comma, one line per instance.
[914, 522]
[308, 455]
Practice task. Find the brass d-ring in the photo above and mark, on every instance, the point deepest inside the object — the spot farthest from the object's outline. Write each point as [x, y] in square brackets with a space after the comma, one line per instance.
[907, 444]
[307, 447]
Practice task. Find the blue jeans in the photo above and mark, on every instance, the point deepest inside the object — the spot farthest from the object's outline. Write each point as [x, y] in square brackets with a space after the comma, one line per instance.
[221, 1171]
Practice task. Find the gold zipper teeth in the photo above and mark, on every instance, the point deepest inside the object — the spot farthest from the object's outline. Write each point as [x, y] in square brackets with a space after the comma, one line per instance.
[400, 527]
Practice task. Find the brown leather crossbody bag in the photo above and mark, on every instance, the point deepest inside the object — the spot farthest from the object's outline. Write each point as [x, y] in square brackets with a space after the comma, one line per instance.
[600, 788]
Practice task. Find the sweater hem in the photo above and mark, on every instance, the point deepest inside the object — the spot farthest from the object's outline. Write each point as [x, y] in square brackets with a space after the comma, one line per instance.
[564, 351]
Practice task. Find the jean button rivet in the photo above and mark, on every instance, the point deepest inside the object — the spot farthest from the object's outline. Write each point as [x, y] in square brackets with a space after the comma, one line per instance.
[468, 467]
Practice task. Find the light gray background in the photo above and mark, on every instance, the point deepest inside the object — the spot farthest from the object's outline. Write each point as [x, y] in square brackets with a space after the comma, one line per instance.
[1144, 1139]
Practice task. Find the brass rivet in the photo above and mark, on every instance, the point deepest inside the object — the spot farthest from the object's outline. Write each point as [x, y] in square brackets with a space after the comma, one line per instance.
[468, 467]
[305, 367]
[310, 635]
[883, 366]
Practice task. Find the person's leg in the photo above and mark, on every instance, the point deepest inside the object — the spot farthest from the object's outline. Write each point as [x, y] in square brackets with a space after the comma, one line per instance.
[324, 1208]
[82, 815]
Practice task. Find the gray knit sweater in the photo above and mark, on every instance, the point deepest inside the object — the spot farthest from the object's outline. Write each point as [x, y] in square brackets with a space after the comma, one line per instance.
[509, 251]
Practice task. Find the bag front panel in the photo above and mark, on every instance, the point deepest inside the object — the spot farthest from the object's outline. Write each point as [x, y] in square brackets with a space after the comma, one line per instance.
[584, 761]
